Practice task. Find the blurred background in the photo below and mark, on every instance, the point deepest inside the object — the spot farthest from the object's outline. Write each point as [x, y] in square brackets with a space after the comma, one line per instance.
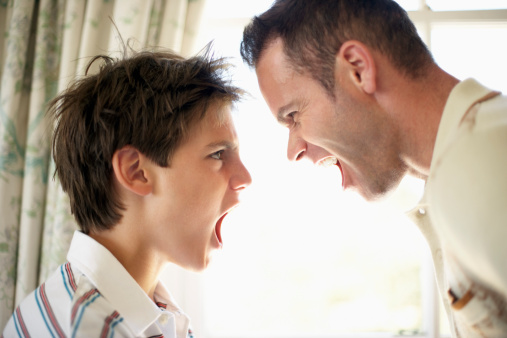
[301, 258]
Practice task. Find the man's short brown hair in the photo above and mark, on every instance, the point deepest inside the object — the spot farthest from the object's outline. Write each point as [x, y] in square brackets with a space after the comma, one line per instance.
[313, 32]
[147, 100]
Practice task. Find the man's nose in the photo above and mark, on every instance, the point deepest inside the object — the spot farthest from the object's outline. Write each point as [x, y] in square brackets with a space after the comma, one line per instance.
[296, 148]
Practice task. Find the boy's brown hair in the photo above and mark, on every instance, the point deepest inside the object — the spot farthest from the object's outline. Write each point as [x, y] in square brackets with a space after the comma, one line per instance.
[147, 100]
[313, 32]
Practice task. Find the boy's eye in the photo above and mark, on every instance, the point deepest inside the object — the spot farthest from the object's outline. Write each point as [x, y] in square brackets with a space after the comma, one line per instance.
[217, 155]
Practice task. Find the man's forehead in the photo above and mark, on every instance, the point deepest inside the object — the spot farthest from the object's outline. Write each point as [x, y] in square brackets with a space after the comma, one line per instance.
[273, 53]
[273, 70]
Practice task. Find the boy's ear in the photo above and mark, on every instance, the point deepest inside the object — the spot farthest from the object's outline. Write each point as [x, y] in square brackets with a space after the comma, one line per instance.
[358, 63]
[130, 168]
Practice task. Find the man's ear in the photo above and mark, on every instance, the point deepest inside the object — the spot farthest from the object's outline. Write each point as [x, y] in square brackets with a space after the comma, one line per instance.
[355, 60]
[130, 168]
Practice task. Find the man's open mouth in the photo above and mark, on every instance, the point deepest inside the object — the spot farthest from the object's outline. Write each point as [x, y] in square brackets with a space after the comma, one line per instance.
[338, 164]
[330, 161]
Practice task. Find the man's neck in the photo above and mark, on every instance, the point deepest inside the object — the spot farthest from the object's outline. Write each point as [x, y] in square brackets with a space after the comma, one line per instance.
[418, 106]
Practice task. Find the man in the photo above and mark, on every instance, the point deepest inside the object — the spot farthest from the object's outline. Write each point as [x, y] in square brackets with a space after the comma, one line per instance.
[148, 154]
[357, 87]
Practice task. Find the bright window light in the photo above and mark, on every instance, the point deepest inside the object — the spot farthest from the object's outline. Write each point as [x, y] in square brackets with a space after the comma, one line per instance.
[302, 258]
[463, 5]
[462, 50]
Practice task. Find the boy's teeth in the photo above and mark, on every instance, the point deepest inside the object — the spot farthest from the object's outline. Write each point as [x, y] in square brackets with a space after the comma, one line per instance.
[329, 161]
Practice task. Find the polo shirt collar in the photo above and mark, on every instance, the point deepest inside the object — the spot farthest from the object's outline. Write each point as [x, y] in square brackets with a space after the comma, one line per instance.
[116, 284]
[462, 97]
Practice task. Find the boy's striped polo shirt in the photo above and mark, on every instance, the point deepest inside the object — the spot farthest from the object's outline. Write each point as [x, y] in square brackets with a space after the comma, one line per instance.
[92, 295]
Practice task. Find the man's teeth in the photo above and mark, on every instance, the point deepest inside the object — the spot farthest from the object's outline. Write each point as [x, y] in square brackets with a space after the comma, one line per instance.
[329, 161]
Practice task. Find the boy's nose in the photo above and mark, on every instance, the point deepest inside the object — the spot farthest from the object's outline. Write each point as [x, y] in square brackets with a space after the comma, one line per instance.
[242, 177]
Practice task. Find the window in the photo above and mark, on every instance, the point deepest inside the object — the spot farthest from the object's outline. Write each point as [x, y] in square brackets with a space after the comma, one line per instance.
[301, 258]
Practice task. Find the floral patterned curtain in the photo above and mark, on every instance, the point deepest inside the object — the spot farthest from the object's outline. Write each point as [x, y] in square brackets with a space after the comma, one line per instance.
[45, 44]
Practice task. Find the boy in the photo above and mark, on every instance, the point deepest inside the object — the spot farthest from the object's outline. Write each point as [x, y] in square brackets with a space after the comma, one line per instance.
[148, 154]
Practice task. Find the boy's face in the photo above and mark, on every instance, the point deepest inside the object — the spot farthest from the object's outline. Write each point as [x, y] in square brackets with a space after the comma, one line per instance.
[192, 196]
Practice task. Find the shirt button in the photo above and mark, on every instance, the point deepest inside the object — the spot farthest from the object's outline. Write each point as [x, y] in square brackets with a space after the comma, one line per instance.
[163, 319]
[422, 211]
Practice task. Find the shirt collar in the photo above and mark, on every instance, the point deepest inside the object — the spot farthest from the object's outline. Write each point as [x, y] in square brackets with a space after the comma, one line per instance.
[116, 284]
[181, 321]
[462, 97]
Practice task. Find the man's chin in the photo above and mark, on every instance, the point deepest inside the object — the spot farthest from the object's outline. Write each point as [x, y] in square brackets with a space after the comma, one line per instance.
[374, 194]
[373, 197]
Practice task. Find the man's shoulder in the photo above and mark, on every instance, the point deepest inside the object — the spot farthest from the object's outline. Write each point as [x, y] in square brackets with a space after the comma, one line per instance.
[492, 114]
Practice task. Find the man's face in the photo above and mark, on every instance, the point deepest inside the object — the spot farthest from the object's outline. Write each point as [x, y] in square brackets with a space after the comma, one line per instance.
[198, 189]
[349, 129]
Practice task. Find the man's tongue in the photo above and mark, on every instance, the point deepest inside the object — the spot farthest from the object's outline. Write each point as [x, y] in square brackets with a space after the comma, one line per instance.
[338, 164]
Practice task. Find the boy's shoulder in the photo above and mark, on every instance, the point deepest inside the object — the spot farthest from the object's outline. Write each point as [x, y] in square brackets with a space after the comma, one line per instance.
[92, 315]
[67, 304]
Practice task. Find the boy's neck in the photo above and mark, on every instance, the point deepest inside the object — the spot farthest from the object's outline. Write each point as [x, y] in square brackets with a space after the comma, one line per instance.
[139, 261]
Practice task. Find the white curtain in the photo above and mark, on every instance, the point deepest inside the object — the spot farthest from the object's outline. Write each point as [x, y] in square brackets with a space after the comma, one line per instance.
[45, 44]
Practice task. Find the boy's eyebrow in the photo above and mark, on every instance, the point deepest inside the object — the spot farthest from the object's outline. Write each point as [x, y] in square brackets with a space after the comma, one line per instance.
[224, 144]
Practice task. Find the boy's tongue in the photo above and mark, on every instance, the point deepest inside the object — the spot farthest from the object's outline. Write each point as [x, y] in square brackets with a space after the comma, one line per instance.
[218, 229]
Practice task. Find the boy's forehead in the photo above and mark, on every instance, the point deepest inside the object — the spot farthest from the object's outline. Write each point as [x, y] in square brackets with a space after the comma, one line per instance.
[215, 116]
[216, 120]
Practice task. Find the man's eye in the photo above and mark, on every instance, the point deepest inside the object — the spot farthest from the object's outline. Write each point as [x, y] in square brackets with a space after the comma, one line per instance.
[292, 117]
[217, 155]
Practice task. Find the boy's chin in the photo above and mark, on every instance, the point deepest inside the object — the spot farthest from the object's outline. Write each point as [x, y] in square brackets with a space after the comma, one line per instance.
[198, 265]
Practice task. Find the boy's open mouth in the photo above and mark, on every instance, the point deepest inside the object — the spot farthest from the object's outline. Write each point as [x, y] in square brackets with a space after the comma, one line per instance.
[218, 228]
